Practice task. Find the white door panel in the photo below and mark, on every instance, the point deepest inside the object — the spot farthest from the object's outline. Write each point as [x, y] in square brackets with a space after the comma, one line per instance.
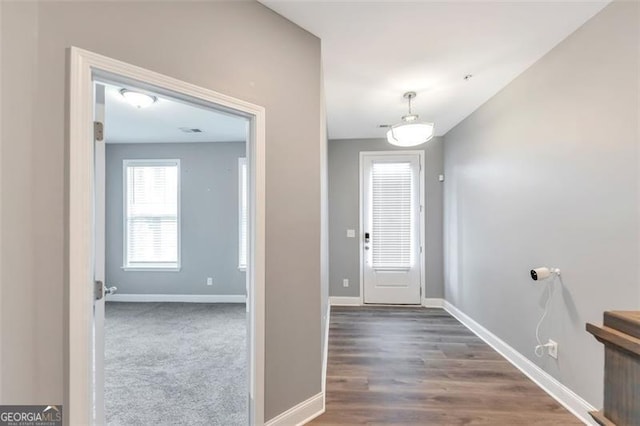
[391, 244]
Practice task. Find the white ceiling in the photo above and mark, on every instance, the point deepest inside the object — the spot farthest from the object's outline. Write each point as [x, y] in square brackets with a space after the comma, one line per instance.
[161, 122]
[374, 51]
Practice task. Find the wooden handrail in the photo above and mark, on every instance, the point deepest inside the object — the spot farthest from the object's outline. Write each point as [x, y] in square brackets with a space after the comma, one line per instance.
[626, 321]
[612, 336]
[620, 334]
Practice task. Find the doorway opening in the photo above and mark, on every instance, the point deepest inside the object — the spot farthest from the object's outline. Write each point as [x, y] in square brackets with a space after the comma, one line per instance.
[148, 244]
[392, 227]
[174, 265]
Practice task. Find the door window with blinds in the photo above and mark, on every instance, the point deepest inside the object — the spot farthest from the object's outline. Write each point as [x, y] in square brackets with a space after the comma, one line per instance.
[392, 207]
[391, 197]
[151, 214]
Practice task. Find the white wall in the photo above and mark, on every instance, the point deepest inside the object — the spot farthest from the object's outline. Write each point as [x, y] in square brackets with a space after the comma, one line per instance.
[546, 174]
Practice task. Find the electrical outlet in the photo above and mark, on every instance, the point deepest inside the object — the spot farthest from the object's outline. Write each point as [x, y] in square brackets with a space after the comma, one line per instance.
[209, 280]
[345, 282]
[552, 349]
[351, 233]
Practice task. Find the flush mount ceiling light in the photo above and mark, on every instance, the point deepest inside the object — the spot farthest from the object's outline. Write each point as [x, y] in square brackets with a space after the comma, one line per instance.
[138, 99]
[410, 132]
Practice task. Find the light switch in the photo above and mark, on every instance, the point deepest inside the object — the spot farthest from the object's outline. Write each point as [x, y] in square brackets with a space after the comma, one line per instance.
[441, 178]
[351, 233]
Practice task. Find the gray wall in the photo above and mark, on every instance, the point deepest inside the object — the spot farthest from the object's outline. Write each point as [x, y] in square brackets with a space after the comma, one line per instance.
[208, 219]
[20, 359]
[239, 48]
[324, 226]
[546, 173]
[344, 213]
[1, 229]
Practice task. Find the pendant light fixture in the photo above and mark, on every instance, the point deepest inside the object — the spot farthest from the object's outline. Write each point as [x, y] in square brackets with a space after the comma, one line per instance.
[410, 132]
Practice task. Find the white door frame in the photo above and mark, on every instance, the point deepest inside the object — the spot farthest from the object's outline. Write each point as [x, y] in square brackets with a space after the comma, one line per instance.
[83, 66]
[421, 222]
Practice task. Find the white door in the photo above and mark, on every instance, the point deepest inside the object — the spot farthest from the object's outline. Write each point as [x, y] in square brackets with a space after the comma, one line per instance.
[100, 289]
[391, 220]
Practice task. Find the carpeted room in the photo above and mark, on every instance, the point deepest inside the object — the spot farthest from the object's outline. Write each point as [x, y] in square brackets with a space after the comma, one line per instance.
[175, 328]
[175, 363]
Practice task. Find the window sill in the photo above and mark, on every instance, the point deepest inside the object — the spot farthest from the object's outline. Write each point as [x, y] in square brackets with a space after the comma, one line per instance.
[151, 269]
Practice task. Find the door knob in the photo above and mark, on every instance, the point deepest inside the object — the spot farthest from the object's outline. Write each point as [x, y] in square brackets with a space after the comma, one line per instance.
[99, 290]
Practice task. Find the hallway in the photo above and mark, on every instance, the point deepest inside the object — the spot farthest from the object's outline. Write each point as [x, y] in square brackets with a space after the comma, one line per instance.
[420, 366]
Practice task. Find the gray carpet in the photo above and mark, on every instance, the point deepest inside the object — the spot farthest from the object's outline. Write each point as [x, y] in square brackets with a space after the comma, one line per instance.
[175, 364]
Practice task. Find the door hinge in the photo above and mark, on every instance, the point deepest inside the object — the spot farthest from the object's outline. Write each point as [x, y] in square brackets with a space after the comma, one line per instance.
[98, 290]
[98, 130]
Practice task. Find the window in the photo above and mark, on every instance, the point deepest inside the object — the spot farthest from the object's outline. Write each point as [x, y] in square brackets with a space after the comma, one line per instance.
[242, 211]
[391, 191]
[151, 214]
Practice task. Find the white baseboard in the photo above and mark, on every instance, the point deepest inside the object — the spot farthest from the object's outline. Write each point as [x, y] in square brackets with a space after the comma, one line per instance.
[300, 414]
[565, 396]
[356, 301]
[433, 303]
[345, 301]
[188, 298]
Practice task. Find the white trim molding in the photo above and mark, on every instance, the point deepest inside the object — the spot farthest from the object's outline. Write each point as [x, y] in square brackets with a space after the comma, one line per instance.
[345, 301]
[300, 414]
[184, 298]
[242, 213]
[84, 67]
[565, 396]
[433, 302]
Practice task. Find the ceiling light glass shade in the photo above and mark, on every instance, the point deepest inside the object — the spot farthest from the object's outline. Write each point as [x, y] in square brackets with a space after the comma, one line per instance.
[410, 134]
[137, 99]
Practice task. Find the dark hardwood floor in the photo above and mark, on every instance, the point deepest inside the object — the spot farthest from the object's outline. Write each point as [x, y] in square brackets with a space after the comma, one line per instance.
[419, 366]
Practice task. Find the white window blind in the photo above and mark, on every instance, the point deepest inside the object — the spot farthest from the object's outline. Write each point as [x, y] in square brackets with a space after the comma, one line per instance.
[242, 202]
[151, 213]
[391, 195]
